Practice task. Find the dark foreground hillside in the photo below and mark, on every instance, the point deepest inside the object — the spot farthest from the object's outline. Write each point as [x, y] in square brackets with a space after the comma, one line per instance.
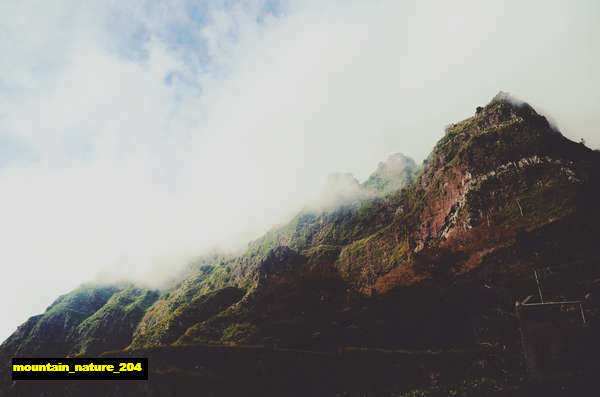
[260, 371]
[420, 268]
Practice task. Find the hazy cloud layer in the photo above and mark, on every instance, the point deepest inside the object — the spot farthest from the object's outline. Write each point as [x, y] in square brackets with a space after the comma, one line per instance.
[133, 137]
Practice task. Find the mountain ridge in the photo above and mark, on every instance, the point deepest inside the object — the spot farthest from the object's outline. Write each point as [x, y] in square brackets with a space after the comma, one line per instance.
[501, 192]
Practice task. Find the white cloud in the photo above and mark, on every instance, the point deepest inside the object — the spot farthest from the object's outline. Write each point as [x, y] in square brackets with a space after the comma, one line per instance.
[138, 135]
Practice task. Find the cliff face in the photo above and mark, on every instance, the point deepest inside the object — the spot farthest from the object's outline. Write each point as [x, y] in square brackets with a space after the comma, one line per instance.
[502, 171]
[501, 192]
[484, 165]
[397, 260]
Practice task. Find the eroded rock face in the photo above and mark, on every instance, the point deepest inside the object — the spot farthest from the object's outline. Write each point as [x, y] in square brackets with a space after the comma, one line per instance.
[491, 175]
[503, 170]
[482, 163]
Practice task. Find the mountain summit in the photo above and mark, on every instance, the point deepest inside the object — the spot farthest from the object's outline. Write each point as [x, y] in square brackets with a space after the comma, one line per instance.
[397, 172]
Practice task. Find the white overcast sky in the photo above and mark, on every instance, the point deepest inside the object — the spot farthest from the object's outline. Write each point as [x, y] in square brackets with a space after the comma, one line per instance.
[136, 134]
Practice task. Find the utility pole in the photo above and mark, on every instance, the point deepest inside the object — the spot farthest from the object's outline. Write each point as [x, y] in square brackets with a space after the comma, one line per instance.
[537, 281]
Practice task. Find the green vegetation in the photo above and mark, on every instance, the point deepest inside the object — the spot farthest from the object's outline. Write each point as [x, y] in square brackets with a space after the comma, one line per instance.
[165, 326]
[236, 332]
[50, 332]
[112, 326]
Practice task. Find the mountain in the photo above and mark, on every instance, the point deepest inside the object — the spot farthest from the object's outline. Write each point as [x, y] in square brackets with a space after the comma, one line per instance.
[89, 320]
[429, 257]
[397, 172]
[343, 189]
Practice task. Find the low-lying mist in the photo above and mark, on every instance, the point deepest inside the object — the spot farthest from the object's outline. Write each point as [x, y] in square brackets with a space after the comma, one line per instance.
[135, 136]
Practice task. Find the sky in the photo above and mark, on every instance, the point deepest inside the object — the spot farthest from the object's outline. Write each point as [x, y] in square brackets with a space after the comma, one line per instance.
[136, 135]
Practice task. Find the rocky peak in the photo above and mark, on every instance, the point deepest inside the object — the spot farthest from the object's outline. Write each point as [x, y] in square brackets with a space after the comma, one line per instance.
[505, 104]
[505, 120]
[506, 150]
[505, 97]
[396, 172]
[394, 165]
[502, 110]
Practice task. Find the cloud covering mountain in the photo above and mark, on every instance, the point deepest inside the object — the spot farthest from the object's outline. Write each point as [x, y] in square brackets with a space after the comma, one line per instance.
[135, 136]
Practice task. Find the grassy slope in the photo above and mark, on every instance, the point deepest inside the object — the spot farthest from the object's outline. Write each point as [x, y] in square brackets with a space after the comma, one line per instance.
[112, 326]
